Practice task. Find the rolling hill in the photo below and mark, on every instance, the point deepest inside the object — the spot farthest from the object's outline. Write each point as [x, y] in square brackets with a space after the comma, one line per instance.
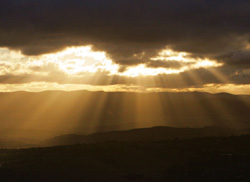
[160, 133]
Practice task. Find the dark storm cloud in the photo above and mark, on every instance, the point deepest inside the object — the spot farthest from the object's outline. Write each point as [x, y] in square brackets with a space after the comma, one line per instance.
[130, 31]
[238, 58]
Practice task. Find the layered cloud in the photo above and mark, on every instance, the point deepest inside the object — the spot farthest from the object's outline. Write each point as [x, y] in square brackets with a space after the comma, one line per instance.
[153, 43]
[82, 64]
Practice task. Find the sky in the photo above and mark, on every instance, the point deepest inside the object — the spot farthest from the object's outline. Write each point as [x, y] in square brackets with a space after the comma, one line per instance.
[125, 45]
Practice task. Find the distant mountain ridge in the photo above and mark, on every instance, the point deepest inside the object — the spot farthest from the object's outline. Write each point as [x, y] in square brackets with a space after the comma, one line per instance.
[144, 134]
[42, 115]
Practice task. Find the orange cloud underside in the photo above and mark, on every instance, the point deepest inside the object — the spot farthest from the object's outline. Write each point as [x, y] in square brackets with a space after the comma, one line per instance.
[83, 62]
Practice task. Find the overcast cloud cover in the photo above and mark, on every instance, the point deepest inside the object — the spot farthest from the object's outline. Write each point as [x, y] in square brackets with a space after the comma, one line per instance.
[133, 31]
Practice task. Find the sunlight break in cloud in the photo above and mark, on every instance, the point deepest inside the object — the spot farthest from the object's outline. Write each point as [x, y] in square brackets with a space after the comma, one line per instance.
[75, 61]
[185, 61]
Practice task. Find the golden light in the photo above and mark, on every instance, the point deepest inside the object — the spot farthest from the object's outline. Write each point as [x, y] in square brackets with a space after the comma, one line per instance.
[83, 63]
[206, 64]
[75, 60]
[166, 56]
[142, 70]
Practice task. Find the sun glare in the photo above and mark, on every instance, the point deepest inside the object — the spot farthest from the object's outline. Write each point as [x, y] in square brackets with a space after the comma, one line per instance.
[168, 54]
[75, 60]
[83, 61]
[142, 70]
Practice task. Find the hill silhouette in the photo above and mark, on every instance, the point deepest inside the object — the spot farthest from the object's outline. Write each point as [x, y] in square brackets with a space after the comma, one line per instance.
[144, 135]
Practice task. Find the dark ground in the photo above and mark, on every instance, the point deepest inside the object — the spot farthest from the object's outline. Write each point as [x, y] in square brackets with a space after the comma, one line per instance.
[201, 159]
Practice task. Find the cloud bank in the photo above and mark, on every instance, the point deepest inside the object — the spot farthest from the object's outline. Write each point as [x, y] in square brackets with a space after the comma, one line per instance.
[132, 32]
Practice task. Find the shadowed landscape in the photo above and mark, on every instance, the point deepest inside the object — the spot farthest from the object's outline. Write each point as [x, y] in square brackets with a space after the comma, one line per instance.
[206, 143]
[124, 90]
[206, 159]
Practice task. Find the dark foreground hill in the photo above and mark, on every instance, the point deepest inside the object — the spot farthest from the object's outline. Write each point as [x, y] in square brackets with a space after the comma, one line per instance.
[15, 143]
[214, 159]
[143, 134]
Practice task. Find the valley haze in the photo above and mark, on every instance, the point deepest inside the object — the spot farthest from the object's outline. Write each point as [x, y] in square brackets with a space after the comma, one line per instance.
[31, 117]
